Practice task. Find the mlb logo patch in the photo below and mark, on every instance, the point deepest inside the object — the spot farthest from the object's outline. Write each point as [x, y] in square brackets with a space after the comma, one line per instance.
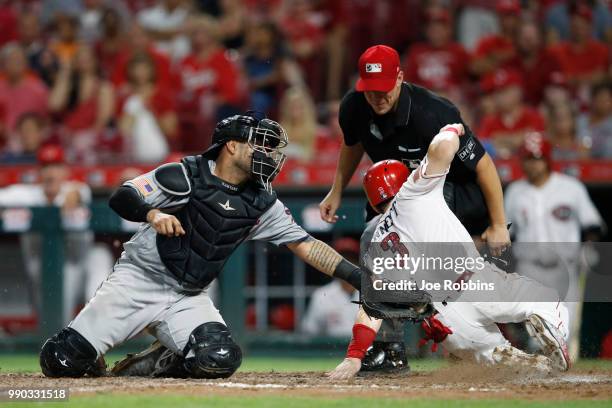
[144, 185]
[373, 68]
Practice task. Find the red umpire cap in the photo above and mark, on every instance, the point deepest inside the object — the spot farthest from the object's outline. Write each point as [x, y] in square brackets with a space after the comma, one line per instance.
[383, 181]
[378, 69]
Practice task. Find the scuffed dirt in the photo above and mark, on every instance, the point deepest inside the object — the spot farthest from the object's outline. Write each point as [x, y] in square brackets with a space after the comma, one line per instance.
[457, 382]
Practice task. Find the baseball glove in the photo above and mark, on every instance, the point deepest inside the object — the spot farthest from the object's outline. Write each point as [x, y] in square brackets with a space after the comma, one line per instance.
[408, 305]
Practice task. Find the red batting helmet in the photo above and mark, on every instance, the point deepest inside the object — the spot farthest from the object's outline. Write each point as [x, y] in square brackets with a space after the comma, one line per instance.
[383, 181]
[536, 147]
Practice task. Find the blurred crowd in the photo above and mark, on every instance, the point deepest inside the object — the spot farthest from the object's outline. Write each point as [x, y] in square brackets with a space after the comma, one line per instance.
[134, 80]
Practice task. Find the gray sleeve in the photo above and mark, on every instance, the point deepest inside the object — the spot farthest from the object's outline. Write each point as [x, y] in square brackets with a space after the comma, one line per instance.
[154, 194]
[278, 227]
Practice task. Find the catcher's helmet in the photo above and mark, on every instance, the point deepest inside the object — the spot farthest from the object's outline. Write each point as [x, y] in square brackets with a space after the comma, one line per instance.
[383, 181]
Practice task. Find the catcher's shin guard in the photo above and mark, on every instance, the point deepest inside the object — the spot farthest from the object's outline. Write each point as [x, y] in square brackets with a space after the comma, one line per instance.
[69, 354]
[385, 357]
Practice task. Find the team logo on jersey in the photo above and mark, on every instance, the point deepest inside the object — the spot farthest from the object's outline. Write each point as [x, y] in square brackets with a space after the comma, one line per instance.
[374, 68]
[467, 150]
[144, 185]
[562, 213]
[226, 206]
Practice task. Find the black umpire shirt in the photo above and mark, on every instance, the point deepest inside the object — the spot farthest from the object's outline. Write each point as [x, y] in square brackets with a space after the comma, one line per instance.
[405, 134]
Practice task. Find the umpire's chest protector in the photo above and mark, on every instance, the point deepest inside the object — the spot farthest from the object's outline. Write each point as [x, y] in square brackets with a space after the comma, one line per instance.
[216, 219]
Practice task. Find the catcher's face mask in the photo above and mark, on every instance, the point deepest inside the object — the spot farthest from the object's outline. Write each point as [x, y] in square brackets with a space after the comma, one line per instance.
[266, 140]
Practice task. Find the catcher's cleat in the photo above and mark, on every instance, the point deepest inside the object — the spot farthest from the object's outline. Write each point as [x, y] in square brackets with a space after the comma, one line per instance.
[142, 364]
[385, 357]
[551, 340]
[515, 358]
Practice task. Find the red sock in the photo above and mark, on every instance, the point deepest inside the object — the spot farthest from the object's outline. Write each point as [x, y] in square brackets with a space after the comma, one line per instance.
[363, 337]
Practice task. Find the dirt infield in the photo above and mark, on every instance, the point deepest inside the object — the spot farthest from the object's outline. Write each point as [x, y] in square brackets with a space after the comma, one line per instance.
[457, 382]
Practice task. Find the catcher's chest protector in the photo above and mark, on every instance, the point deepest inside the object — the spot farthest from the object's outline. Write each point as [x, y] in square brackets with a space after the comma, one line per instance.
[217, 218]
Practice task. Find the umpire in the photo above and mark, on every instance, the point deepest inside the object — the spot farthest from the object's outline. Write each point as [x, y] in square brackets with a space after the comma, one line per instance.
[391, 119]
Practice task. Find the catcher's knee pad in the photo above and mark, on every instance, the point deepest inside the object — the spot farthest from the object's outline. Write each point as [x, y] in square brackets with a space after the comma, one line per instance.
[211, 352]
[68, 354]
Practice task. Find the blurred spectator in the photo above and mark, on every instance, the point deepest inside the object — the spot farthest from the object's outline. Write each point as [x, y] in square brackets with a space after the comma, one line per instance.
[331, 311]
[476, 20]
[506, 128]
[303, 29]
[91, 17]
[65, 41]
[562, 134]
[557, 91]
[595, 126]
[86, 264]
[138, 42]
[299, 118]
[165, 23]
[212, 87]
[148, 117]
[52, 8]
[439, 63]
[495, 51]
[582, 59]
[266, 65]
[20, 91]
[84, 102]
[534, 62]
[110, 44]
[557, 20]
[330, 139]
[30, 132]
[40, 58]
[8, 22]
[232, 21]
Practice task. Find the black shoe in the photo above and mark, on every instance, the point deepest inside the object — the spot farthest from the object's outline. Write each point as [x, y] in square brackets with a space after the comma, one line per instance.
[385, 357]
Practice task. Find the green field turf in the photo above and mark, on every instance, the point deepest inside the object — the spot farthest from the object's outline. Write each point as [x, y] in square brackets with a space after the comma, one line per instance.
[175, 401]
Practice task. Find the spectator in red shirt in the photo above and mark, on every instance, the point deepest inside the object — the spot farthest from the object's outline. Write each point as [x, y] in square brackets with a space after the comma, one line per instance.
[583, 60]
[109, 46]
[534, 62]
[328, 141]
[212, 87]
[8, 22]
[304, 34]
[495, 51]
[84, 103]
[148, 118]
[20, 90]
[140, 43]
[505, 129]
[439, 63]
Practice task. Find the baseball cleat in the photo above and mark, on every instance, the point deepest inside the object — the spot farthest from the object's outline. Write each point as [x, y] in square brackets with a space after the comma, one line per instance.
[385, 357]
[515, 358]
[142, 364]
[551, 340]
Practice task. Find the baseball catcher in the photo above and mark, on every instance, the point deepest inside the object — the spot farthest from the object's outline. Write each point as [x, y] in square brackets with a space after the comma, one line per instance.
[414, 211]
[194, 214]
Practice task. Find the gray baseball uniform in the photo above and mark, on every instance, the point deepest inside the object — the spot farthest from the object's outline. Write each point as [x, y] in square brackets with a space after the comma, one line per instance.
[141, 293]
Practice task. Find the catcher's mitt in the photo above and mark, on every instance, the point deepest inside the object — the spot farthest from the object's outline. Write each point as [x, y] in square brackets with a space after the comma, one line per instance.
[407, 305]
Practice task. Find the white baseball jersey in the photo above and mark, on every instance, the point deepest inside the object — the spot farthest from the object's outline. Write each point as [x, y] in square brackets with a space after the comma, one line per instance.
[419, 214]
[554, 212]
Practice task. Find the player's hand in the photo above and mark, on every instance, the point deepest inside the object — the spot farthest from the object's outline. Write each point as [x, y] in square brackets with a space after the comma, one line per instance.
[165, 224]
[329, 206]
[497, 237]
[347, 369]
[454, 127]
